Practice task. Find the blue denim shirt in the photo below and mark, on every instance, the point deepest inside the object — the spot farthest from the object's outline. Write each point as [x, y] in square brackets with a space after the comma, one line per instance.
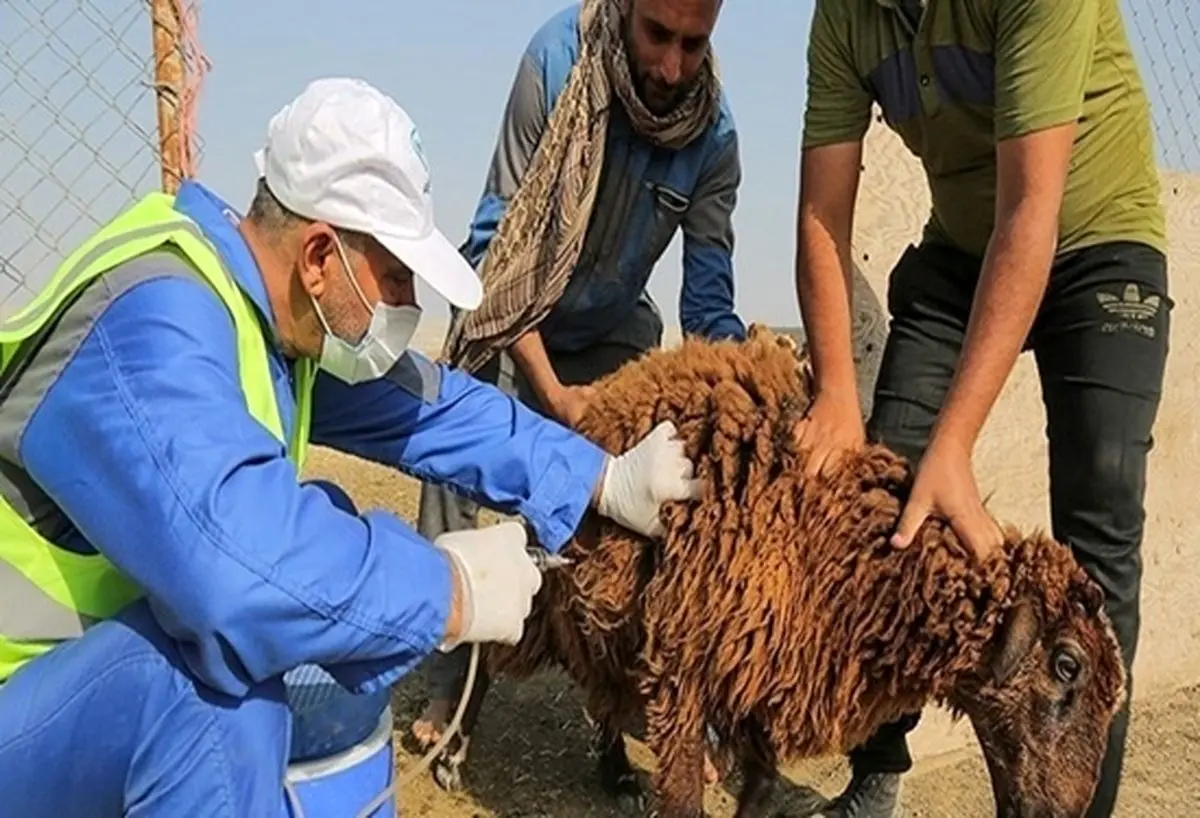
[646, 194]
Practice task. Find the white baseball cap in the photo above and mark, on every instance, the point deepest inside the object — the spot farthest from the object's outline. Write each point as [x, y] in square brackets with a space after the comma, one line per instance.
[345, 153]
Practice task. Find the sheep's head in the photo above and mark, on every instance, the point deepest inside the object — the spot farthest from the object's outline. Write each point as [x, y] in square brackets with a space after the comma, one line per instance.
[1050, 684]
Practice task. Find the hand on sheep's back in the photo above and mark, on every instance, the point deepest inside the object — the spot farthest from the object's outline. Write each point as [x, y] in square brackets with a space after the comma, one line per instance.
[832, 428]
[637, 483]
[945, 485]
[571, 403]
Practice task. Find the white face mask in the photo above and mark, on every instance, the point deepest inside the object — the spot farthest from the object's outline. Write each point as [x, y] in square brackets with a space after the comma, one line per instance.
[386, 339]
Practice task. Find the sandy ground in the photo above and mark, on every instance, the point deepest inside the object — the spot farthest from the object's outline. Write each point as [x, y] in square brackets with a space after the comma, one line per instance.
[530, 755]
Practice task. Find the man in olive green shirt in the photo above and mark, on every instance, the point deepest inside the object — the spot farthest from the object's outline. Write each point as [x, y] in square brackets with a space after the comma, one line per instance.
[1047, 233]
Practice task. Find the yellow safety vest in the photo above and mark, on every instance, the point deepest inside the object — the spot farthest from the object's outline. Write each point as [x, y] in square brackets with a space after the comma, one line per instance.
[54, 593]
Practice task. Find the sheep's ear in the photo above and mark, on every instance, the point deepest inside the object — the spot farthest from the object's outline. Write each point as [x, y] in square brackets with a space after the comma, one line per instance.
[1091, 597]
[1021, 628]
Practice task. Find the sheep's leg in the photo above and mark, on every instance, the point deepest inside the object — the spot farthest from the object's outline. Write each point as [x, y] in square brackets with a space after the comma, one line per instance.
[759, 774]
[447, 767]
[617, 776]
[757, 791]
[675, 734]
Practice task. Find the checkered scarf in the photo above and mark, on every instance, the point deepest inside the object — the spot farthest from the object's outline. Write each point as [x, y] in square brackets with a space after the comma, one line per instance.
[538, 241]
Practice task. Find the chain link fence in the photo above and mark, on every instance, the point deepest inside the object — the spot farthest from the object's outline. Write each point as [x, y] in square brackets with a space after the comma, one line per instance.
[1166, 37]
[95, 104]
[97, 101]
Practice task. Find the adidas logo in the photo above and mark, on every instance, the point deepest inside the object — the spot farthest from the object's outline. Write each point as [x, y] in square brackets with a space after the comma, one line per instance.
[1130, 311]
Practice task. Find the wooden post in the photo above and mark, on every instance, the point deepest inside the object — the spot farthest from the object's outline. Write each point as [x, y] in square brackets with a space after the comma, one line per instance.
[168, 89]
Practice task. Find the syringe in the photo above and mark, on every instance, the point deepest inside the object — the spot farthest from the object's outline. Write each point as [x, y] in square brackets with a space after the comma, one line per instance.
[545, 561]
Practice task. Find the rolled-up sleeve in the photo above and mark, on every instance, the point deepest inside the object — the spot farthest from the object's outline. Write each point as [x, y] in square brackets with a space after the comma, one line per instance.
[838, 108]
[1044, 53]
[144, 441]
[443, 426]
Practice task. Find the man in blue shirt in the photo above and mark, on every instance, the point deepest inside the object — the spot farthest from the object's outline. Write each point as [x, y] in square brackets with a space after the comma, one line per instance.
[670, 163]
[125, 432]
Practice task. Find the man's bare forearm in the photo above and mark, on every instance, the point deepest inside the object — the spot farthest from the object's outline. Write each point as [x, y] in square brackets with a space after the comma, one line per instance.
[1031, 176]
[1012, 284]
[824, 224]
[823, 289]
[529, 354]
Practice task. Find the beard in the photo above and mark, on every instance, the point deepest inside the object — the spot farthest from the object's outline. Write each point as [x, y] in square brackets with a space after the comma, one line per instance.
[658, 97]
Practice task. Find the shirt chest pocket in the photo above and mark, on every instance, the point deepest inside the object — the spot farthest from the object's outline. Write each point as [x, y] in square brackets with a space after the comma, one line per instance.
[660, 211]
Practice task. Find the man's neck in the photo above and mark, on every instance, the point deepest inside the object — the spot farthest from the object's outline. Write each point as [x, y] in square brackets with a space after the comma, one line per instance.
[266, 258]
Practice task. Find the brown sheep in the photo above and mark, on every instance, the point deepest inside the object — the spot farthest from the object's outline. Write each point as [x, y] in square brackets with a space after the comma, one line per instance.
[775, 611]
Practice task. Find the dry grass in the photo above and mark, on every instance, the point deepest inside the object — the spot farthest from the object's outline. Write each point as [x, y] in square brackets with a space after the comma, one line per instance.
[530, 754]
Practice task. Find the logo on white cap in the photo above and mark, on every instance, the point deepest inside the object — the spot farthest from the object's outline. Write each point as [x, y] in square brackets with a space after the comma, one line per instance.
[419, 150]
[345, 153]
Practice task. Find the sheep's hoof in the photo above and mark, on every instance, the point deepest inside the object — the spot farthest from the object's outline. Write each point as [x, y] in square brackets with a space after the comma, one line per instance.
[627, 793]
[807, 803]
[447, 767]
[448, 771]
[447, 775]
[629, 804]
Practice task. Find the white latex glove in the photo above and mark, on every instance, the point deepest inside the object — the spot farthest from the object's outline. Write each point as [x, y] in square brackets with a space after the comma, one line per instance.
[498, 581]
[653, 472]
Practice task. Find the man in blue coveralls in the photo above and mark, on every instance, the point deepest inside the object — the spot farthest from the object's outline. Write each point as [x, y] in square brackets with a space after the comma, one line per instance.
[161, 564]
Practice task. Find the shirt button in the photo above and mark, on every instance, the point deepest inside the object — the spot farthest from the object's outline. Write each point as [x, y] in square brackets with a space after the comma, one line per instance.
[924, 80]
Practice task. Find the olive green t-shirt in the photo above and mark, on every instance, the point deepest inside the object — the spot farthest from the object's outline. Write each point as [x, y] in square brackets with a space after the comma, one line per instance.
[975, 72]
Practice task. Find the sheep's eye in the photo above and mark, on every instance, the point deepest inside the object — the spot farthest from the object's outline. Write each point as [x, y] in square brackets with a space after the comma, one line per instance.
[1066, 667]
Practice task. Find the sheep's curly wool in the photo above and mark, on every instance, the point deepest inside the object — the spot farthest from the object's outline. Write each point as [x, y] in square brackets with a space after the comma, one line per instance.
[774, 609]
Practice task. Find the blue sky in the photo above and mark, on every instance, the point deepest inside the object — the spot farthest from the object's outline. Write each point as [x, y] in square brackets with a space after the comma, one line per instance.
[449, 63]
